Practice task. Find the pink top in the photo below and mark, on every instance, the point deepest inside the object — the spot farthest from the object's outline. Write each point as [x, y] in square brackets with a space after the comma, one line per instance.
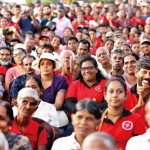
[12, 74]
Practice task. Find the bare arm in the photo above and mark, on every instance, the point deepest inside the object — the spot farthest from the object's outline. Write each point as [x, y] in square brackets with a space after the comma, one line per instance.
[59, 101]
[42, 147]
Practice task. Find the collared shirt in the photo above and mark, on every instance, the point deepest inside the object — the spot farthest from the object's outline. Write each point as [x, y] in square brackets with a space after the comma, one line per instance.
[66, 143]
[61, 24]
[128, 125]
[141, 142]
[31, 132]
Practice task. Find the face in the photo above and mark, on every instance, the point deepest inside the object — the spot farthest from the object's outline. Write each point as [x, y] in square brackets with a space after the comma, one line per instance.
[117, 61]
[4, 22]
[39, 51]
[4, 120]
[44, 40]
[88, 71]
[26, 106]
[72, 45]
[145, 48]
[143, 77]
[83, 49]
[18, 55]
[60, 14]
[7, 15]
[31, 83]
[130, 64]
[109, 45]
[79, 36]
[55, 42]
[84, 123]
[5, 57]
[65, 59]
[46, 11]
[125, 48]
[30, 44]
[136, 48]
[115, 94]
[118, 43]
[102, 56]
[27, 64]
[67, 32]
[92, 35]
[46, 67]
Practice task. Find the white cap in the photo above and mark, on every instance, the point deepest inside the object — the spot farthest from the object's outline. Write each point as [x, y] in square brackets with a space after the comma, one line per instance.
[19, 45]
[28, 92]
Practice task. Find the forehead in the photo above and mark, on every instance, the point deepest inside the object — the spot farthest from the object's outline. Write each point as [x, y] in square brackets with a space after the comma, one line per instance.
[5, 51]
[101, 51]
[45, 60]
[129, 58]
[29, 99]
[111, 85]
[17, 51]
[117, 55]
[31, 81]
[87, 63]
[83, 45]
[27, 60]
[66, 54]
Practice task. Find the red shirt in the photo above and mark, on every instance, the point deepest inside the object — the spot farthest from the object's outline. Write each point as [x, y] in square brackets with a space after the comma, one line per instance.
[135, 22]
[31, 132]
[128, 125]
[132, 100]
[75, 26]
[68, 77]
[79, 90]
[3, 69]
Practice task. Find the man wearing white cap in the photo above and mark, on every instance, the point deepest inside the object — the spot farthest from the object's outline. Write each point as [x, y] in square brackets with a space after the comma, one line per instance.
[27, 103]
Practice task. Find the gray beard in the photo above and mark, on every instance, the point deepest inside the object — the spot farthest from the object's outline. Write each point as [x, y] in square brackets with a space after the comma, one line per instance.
[5, 63]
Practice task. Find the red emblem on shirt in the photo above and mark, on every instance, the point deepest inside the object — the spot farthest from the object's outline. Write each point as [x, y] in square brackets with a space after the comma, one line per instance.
[127, 125]
[98, 88]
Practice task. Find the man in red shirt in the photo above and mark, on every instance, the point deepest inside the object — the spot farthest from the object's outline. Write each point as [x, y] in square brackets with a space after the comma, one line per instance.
[140, 92]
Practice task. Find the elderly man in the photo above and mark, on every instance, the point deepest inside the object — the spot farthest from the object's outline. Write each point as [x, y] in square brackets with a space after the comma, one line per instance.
[98, 141]
[19, 82]
[27, 102]
[102, 55]
[5, 62]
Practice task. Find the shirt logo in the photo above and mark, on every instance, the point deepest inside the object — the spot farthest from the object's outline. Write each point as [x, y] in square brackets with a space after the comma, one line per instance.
[98, 88]
[127, 125]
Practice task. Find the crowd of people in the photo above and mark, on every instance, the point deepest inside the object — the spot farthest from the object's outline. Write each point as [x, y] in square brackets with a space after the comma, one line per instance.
[75, 77]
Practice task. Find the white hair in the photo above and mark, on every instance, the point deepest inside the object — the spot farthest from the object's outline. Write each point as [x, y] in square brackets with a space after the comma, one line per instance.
[103, 48]
[106, 138]
[67, 51]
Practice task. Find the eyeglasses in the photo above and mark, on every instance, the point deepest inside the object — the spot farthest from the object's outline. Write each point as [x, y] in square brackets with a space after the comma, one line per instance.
[19, 54]
[90, 68]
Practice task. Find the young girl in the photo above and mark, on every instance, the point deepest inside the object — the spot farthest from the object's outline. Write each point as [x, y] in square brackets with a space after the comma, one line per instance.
[117, 121]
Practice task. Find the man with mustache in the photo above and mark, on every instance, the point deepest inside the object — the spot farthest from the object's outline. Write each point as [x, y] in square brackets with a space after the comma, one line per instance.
[140, 92]
[5, 62]
[19, 82]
